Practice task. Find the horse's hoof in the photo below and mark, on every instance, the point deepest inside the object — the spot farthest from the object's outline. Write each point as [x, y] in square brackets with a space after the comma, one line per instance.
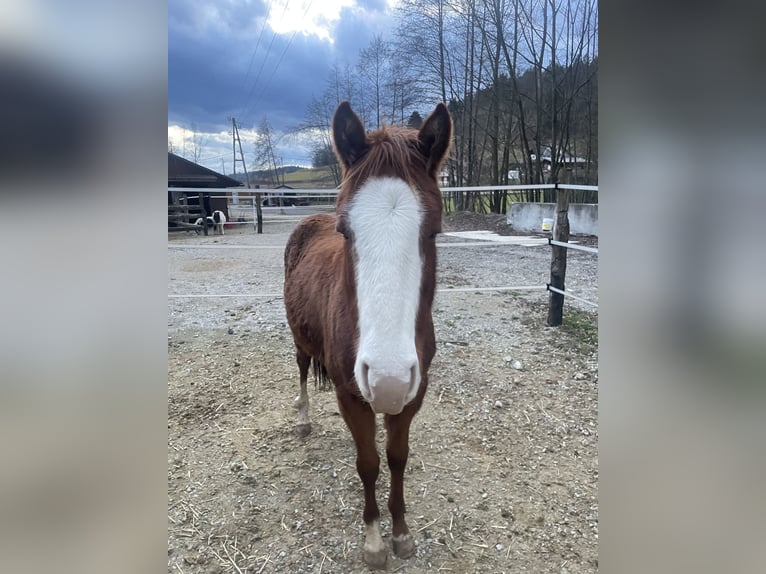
[375, 559]
[404, 546]
[303, 430]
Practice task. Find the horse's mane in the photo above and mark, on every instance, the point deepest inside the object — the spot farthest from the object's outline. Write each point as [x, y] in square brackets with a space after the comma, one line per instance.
[390, 149]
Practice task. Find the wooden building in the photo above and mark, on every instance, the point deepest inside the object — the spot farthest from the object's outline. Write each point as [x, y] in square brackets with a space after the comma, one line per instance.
[183, 173]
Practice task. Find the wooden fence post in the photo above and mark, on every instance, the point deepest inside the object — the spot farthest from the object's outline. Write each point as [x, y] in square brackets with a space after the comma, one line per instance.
[559, 258]
[259, 213]
[201, 199]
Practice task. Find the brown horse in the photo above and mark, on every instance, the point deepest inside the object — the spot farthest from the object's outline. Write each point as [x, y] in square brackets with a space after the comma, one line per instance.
[359, 287]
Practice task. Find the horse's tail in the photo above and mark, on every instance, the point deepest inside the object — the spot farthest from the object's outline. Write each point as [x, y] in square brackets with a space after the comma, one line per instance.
[321, 378]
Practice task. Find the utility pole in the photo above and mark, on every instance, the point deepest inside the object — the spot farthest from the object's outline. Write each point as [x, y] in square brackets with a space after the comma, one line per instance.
[236, 141]
[234, 144]
[234, 194]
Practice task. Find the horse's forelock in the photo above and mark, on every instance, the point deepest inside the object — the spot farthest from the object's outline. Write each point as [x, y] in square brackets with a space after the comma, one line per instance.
[392, 151]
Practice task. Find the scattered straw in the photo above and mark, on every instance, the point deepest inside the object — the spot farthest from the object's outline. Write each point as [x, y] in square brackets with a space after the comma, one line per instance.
[233, 563]
[442, 467]
[451, 551]
[427, 525]
[266, 561]
[324, 557]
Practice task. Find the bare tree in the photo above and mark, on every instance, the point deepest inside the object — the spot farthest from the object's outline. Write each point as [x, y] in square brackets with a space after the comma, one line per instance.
[264, 156]
[373, 68]
[519, 77]
[197, 144]
[317, 123]
[401, 86]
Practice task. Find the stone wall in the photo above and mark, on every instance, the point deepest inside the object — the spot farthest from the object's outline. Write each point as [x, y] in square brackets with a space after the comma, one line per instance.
[528, 217]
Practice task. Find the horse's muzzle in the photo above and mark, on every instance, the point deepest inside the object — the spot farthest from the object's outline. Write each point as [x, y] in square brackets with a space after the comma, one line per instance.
[389, 390]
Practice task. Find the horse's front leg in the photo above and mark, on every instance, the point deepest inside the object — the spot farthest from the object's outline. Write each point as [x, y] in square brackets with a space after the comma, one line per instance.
[397, 451]
[361, 422]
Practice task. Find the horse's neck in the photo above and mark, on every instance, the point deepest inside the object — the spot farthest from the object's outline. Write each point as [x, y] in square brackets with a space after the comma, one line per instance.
[344, 278]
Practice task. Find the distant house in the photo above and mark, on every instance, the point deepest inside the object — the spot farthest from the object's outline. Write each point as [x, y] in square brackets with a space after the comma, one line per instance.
[279, 198]
[183, 173]
[567, 160]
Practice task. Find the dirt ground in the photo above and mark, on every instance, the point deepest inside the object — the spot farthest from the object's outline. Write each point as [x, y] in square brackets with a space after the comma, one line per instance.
[503, 468]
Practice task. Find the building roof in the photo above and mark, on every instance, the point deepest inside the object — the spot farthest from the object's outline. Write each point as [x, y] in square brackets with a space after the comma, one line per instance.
[185, 173]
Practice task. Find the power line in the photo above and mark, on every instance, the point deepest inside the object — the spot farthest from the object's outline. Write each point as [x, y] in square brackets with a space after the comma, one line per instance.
[279, 62]
[209, 157]
[257, 43]
[263, 63]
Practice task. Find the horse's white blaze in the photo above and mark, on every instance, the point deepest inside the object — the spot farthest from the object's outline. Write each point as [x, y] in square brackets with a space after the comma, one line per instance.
[385, 218]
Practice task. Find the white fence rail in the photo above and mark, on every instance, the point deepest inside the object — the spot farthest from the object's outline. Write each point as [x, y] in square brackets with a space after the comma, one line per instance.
[245, 206]
[250, 194]
[245, 193]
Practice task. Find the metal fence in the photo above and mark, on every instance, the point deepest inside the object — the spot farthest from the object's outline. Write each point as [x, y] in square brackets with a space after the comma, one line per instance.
[480, 199]
[242, 211]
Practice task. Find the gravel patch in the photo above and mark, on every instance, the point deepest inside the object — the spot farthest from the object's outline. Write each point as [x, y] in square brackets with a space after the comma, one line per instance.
[503, 469]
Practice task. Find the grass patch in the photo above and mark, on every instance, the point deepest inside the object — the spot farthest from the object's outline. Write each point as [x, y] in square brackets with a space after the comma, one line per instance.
[582, 327]
[314, 177]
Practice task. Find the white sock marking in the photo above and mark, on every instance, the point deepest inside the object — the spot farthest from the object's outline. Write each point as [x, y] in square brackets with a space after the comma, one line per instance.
[373, 541]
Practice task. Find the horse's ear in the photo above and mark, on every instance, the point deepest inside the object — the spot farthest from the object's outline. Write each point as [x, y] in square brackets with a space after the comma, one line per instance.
[435, 136]
[348, 135]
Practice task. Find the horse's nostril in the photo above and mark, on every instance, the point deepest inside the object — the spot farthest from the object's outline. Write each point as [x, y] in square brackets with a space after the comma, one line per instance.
[413, 375]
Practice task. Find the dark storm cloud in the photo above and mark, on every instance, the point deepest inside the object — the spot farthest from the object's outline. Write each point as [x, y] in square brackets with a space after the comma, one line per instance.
[193, 17]
[284, 95]
[358, 25]
[209, 83]
[213, 75]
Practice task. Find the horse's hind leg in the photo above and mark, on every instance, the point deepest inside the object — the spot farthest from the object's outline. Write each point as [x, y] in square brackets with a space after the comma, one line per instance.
[302, 402]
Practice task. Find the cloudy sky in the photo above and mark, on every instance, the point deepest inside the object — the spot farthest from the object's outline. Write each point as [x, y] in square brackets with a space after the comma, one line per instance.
[256, 59]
